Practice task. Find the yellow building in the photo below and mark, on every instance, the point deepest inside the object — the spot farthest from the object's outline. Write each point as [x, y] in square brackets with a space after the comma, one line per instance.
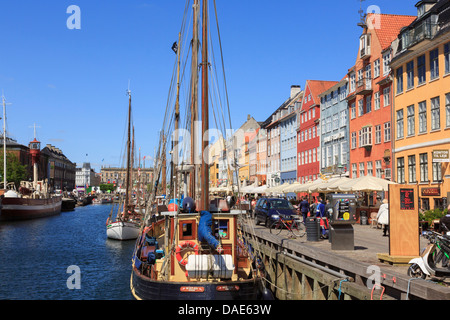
[214, 156]
[421, 114]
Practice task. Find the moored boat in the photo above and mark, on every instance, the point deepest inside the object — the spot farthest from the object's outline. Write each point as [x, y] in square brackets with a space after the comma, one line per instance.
[192, 251]
[127, 223]
[33, 200]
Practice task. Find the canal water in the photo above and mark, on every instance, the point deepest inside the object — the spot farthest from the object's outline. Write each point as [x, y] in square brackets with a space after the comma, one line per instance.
[40, 259]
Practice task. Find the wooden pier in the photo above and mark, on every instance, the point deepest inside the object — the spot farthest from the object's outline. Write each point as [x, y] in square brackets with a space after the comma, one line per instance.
[298, 269]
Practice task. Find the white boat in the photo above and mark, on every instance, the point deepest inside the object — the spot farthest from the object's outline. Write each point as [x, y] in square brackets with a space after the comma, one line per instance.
[120, 230]
[126, 225]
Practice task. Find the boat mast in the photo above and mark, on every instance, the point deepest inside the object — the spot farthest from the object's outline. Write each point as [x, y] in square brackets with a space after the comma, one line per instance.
[177, 122]
[125, 207]
[194, 101]
[4, 140]
[205, 114]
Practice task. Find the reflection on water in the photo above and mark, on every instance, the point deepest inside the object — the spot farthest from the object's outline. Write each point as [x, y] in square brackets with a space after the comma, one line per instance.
[35, 256]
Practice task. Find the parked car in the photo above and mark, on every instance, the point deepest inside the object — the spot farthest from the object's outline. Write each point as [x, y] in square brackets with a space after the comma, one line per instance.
[268, 210]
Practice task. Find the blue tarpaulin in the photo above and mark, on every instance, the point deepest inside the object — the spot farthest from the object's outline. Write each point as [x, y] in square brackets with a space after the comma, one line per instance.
[205, 231]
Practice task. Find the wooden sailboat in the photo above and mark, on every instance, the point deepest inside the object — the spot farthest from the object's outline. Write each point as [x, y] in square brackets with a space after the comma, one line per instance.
[126, 225]
[195, 252]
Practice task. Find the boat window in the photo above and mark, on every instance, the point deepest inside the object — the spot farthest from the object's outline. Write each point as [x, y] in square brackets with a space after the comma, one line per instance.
[188, 230]
[221, 229]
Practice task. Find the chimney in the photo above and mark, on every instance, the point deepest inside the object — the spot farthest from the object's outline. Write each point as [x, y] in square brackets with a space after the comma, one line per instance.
[295, 90]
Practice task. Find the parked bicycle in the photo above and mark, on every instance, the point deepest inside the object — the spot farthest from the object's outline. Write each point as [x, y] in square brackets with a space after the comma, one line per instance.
[291, 223]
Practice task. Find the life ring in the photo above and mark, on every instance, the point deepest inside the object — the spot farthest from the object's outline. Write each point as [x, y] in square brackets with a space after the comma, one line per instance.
[184, 245]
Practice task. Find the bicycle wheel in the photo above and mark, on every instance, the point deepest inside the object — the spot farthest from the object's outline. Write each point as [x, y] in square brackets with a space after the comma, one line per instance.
[298, 229]
[276, 227]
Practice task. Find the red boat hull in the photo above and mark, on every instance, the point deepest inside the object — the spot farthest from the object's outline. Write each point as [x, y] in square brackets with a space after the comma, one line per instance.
[24, 209]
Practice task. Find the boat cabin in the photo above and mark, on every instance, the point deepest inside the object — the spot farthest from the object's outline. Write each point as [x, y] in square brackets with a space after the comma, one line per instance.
[193, 251]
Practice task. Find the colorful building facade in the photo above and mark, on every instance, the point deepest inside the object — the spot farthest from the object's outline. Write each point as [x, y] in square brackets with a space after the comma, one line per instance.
[334, 135]
[370, 97]
[421, 114]
[308, 131]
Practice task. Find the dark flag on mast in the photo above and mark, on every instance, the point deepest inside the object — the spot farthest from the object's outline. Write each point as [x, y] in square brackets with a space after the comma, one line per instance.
[175, 47]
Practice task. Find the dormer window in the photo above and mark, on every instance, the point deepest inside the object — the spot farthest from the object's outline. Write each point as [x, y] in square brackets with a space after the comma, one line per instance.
[364, 46]
[420, 10]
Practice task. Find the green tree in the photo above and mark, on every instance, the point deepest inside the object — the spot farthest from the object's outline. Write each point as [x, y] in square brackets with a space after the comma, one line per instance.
[15, 172]
[106, 187]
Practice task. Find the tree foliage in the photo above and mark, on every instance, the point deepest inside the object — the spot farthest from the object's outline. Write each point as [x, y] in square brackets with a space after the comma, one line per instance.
[15, 172]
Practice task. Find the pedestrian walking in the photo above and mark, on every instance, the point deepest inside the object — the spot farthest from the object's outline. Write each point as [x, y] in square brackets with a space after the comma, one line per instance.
[304, 208]
[383, 217]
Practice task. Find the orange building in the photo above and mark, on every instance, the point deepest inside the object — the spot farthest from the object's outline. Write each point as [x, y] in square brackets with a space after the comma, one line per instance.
[370, 97]
[421, 113]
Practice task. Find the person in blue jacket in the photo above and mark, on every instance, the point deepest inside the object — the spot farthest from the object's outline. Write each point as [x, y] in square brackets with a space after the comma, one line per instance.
[304, 208]
[320, 211]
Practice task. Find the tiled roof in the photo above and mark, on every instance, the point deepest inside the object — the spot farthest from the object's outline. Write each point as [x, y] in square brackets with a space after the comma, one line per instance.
[317, 87]
[388, 27]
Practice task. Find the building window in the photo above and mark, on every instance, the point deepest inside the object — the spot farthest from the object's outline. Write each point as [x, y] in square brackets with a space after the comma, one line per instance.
[412, 169]
[362, 169]
[401, 170]
[447, 110]
[423, 167]
[421, 69]
[354, 170]
[378, 134]
[370, 168]
[434, 64]
[400, 124]
[376, 68]
[387, 96]
[435, 114]
[335, 121]
[377, 101]
[410, 75]
[352, 82]
[447, 57]
[411, 120]
[329, 156]
[422, 117]
[343, 118]
[365, 137]
[399, 77]
[378, 169]
[354, 140]
[386, 62]
[437, 171]
[353, 111]
[368, 104]
[360, 108]
[387, 132]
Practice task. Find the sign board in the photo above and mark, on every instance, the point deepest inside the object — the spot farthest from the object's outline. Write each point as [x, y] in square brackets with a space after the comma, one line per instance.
[403, 221]
[431, 192]
[441, 156]
[407, 199]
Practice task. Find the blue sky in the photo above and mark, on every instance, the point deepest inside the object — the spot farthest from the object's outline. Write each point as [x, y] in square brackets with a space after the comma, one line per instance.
[72, 83]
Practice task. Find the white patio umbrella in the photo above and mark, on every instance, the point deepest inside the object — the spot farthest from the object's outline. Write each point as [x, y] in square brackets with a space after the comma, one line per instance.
[260, 190]
[277, 189]
[332, 185]
[309, 186]
[292, 187]
[365, 184]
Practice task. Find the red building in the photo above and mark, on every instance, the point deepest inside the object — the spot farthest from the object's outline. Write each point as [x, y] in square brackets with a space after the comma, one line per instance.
[370, 97]
[308, 131]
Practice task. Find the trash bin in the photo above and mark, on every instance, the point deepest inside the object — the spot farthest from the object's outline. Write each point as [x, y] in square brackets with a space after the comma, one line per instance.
[312, 229]
[342, 237]
[363, 219]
